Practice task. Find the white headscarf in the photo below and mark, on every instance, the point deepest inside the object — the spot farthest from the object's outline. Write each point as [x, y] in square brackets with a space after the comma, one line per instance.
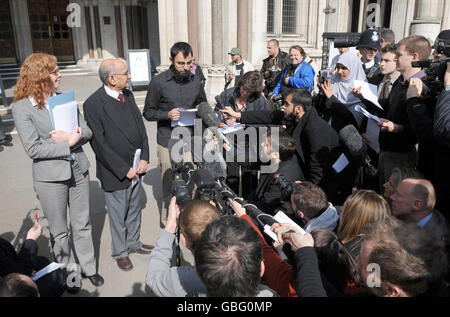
[341, 87]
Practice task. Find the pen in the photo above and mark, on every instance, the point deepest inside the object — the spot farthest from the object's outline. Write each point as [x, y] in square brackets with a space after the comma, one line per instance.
[35, 218]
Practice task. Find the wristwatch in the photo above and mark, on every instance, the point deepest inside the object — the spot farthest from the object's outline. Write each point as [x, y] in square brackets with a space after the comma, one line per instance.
[447, 88]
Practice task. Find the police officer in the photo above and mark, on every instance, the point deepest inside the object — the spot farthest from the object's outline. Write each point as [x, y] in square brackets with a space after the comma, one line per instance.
[368, 46]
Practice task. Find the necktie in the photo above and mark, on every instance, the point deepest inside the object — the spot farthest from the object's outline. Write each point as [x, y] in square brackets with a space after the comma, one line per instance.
[121, 97]
[386, 90]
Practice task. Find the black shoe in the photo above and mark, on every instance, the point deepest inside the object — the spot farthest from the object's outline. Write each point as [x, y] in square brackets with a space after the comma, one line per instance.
[96, 279]
[6, 142]
[73, 290]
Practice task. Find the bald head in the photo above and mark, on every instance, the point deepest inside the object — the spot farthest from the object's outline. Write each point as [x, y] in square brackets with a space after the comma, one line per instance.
[114, 74]
[414, 199]
[422, 189]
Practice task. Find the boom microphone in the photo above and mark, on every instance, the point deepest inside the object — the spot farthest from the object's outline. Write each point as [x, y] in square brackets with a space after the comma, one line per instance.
[353, 142]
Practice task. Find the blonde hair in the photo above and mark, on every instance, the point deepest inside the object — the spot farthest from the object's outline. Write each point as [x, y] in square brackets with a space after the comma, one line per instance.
[360, 209]
[195, 217]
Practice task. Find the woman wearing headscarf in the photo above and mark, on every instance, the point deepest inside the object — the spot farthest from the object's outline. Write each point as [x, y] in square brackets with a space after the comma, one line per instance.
[60, 167]
[340, 104]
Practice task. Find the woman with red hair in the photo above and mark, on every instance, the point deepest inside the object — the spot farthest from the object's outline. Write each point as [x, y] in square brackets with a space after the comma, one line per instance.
[60, 167]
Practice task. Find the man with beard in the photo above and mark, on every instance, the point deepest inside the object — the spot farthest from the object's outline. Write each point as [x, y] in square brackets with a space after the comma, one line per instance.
[167, 93]
[316, 143]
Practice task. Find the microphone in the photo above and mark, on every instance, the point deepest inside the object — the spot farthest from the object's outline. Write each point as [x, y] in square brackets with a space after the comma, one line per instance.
[353, 142]
[209, 117]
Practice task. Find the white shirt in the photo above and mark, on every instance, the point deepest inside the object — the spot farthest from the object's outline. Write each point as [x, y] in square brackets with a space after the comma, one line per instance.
[112, 93]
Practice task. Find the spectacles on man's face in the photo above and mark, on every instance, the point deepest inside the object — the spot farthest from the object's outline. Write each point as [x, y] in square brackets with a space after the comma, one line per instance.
[56, 71]
[124, 74]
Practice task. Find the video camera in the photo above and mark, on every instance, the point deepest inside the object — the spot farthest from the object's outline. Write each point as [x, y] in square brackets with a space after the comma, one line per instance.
[324, 75]
[435, 71]
[286, 187]
[278, 101]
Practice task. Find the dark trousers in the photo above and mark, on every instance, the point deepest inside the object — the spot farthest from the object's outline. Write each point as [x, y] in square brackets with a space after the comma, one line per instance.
[248, 177]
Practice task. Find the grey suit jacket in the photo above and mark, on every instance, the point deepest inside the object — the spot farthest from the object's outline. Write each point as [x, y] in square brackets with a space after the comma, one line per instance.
[51, 162]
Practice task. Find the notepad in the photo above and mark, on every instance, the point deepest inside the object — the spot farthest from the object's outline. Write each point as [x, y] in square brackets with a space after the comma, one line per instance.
[63, 110]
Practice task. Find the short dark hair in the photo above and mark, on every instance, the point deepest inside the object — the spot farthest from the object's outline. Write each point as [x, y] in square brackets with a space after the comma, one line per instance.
[252, 82]
[407, 254]
[285, 145]
[275, 41]
[310, 199]
[228, 258]
[182, 47]
[301, 97]
[390, 48]
[388, 35]
[18, 285]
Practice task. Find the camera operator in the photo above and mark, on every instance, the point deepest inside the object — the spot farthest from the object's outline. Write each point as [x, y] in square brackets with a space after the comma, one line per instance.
[299, 74]
[368, 47]
[165, 280]
[315, 140]
[273, 66]
[428, 120]
[280, 150]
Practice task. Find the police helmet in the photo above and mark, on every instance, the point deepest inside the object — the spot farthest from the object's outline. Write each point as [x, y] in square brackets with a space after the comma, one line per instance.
[370, 38]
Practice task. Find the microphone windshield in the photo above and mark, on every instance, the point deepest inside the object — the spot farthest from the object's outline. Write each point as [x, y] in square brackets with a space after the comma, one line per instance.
[208, 115]
[352, 140]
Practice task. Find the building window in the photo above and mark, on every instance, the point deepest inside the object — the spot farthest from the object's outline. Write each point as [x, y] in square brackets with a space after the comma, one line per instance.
[289, 16]
[270, 16]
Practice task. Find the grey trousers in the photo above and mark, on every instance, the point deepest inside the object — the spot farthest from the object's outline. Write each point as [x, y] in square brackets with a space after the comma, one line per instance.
[55, 197]
[2, 132]
[124, 211]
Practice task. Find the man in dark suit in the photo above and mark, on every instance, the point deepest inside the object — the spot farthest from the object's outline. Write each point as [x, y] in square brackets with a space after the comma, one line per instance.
[118, 132]
[316, 142]
[414, 201]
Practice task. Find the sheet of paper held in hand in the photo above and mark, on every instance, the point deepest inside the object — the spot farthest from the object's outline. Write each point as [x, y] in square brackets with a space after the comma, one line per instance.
[373, 130]
[281, 217]
[136, 160]
[187, 118]
[64, 111]
[47, 270]
[368, 91]
[227, 129]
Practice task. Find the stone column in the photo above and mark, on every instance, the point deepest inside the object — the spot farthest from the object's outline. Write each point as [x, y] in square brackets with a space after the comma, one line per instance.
[21, 27]
[242, 26]
[278, 17]
[257, 50]
[427, 18]
[446, 16]
[217, 32]
[193, 25]
[205, 33]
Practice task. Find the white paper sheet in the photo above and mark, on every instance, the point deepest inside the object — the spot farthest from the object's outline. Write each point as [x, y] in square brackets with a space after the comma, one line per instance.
[341, 163]
[227, 129]
[281, 217]
[187, 118]
[368, 91]
[47, 270]
[137, 158]
[66, 116]
[368, 114]
[372, 134]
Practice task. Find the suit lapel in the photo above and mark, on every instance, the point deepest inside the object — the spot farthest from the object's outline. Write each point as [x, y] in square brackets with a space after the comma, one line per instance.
[114, 115]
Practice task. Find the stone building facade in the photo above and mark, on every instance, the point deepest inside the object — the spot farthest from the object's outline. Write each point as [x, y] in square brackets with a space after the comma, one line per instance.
[92, 30]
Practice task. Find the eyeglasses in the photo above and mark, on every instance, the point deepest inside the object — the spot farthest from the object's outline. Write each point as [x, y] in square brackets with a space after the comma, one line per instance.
[56, 71]
[124, 74]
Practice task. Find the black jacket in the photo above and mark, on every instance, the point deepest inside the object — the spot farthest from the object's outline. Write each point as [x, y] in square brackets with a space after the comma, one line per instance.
[441, 128]
[115, 139]
[165, 94]
[268, 193]
[22, 262]
[281, 62]
[315, 141]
